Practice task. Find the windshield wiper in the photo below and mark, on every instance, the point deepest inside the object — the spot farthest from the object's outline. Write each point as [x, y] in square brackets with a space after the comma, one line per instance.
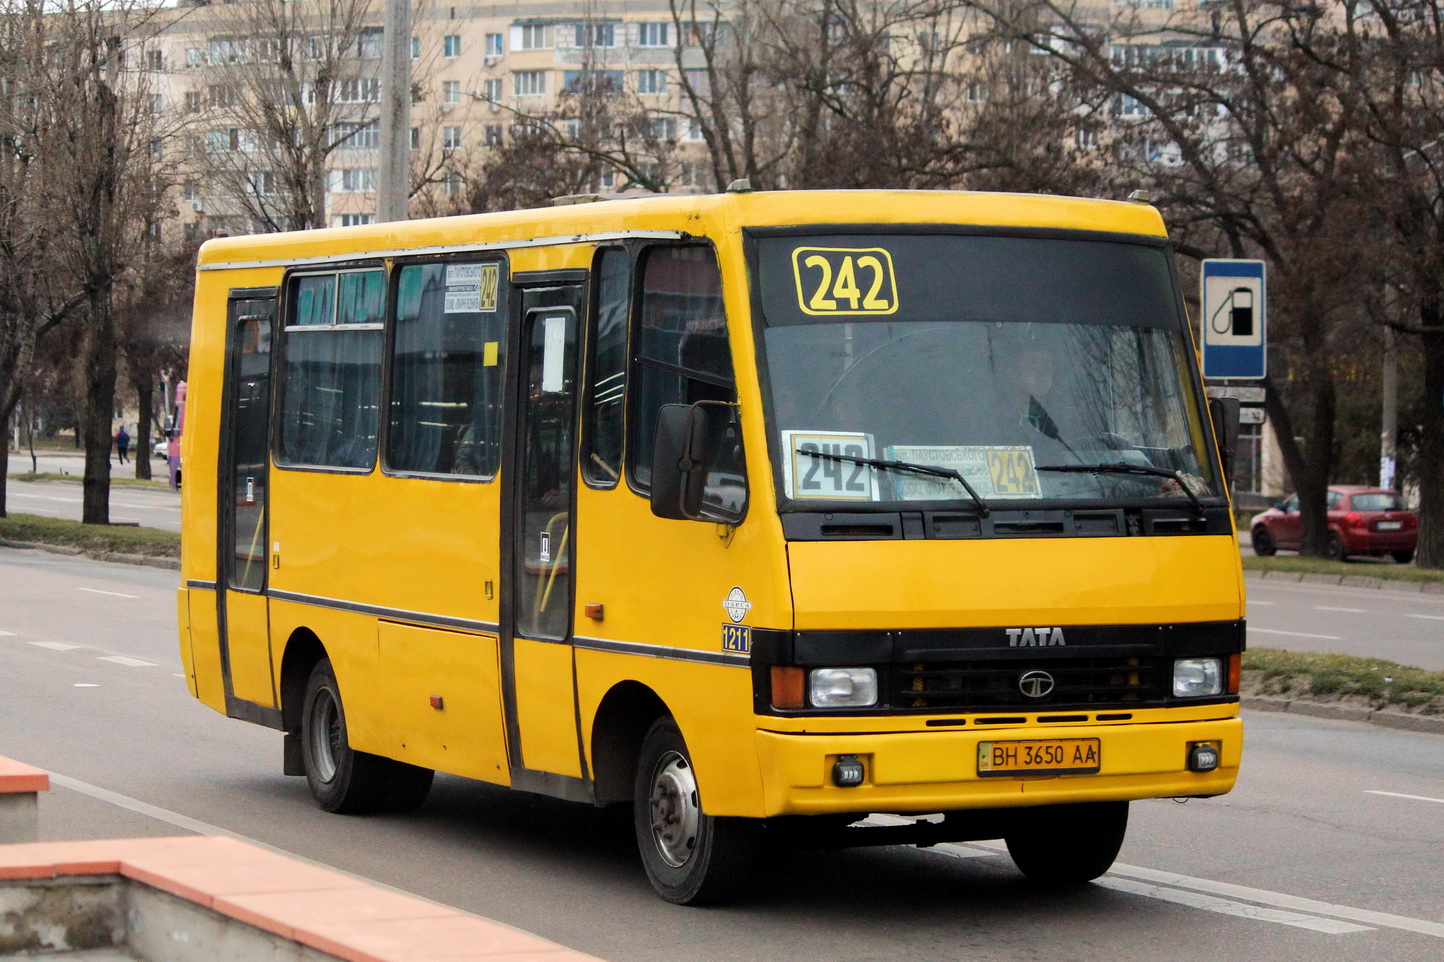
[927, 469]
[1124, 468]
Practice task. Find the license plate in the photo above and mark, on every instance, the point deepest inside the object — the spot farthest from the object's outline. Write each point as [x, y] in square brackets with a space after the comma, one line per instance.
[1047, 756]
[1390, 525]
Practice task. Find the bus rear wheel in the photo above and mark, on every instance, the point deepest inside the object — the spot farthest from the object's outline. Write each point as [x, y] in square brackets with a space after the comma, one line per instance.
[1067, 844]
[341, 779]
[691, 858]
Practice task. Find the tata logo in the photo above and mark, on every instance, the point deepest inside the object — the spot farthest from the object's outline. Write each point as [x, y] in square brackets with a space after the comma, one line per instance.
[1034, 637]
[1035, 684]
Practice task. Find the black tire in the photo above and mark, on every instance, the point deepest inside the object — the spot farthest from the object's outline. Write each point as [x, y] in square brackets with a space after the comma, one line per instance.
[691, 858]
[1068, 844]
[1403, 557]
[341, 779]
[1334, 547]
[1263, 542]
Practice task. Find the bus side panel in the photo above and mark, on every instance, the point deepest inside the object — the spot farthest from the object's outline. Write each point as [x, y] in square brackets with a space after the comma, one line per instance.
[667, 584]
[546, 712]
[205, 650]
[350, 642]
[712, 707]
[251, 677]
[443, 710]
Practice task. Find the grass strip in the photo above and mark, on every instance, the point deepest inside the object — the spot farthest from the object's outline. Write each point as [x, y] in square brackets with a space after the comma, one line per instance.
[115, 482]
[91, 538]
[1343, 679]
[1367, 569]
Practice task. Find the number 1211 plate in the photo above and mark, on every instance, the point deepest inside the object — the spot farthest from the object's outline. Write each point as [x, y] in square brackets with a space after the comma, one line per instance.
[1047, 756]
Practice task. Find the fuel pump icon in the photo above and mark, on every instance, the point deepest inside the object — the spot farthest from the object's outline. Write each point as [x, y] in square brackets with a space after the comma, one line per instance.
[1235, 314]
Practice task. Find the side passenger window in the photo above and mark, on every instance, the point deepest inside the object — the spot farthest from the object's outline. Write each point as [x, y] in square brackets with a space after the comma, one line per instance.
[332, 382]
[681, 355]
[446, 372]
[607, 369]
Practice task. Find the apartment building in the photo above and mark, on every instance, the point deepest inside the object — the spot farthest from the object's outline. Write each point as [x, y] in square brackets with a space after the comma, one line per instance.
[477, 70]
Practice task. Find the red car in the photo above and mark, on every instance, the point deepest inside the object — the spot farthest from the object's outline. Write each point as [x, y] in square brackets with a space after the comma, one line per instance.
[1362, 520]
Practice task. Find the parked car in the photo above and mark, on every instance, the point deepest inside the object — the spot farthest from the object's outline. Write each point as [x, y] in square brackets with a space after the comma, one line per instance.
[1362, 521]
[162, 448]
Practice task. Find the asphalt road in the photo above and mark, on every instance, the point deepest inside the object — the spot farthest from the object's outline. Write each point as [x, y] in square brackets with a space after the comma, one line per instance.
[1402, 626]
[1330, 848]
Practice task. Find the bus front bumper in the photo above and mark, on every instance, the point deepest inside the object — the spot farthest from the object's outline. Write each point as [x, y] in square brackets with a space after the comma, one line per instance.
[933, 771]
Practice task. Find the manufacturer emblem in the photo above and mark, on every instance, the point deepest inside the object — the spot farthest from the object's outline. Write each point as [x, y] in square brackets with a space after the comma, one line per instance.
[737, 605]
[1035, 684]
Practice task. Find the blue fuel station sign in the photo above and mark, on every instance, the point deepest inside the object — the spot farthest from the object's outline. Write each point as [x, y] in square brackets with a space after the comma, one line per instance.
[1235, 320]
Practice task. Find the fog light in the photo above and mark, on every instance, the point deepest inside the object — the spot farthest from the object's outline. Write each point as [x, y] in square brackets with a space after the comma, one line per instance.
[1202, 757]
[1197, 677]
[847, 771]
[842, 687]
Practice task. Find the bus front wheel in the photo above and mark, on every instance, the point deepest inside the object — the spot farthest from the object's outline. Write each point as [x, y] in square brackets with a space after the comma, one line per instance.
[691, 858]
[341, 779]
[1067, 844]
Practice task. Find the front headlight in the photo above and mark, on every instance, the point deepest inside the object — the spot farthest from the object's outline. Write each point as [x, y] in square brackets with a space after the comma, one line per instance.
[1197, 677]
[842, 687]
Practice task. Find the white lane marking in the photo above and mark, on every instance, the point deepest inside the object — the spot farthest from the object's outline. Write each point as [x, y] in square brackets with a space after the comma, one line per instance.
[1264, 897]
[1352, 611]
[1427, 617]
[85, 684]
[7, 634]
[54, 645]
[1261, 604]
[1210, 903]
[1417, 798]
[1291, 634]
[128, 662]
[113, 594]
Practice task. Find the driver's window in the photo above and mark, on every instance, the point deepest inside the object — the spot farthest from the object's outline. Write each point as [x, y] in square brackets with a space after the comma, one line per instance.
[682, 355]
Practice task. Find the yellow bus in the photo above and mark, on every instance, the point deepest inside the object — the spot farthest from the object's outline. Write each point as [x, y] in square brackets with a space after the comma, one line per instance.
[759, 512]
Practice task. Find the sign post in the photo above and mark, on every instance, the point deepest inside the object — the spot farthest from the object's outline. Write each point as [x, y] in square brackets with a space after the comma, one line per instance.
[1235, 319]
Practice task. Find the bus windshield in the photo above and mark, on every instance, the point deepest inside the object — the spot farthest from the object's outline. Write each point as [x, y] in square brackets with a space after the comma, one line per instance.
[1030, 368]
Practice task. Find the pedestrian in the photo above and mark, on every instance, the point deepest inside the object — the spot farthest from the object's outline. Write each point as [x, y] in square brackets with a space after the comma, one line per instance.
[122, 443]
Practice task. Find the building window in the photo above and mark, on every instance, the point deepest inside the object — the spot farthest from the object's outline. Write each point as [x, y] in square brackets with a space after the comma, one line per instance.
[493, 45]
[362, 136]
[359, 90]
[332, 387]
[596, 35]
[530, 83]
[355, 220]
[451, 46]
[154, 60]
[193, 100]
[354, 180]
[222, 95]
[651, 81]
[451, 184]
[534, 36]
[493, 135]
[492, 90]
[592, 81]
[195, 57]
[446, 373]
[451, 91]
[450, 138]
[415, 138]
[654, 34]
[664, 128]
[190, 192]
[415, 48]
[368, 43]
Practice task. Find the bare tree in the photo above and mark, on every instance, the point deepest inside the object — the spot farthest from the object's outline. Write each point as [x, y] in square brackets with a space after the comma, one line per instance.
[287, 85]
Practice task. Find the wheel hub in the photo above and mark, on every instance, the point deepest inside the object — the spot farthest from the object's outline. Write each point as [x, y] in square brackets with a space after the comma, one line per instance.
[325, 735]
[675, 812]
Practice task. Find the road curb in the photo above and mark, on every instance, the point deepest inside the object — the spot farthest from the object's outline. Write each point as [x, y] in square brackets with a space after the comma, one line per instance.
[1348, 581]
[1403, 721]
[149, 561]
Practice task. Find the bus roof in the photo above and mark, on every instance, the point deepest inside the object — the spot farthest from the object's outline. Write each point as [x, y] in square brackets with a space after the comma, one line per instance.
[691, 213]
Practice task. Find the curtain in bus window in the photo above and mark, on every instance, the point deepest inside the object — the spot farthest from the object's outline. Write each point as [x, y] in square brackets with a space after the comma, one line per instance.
[446, 375]
[332, 390]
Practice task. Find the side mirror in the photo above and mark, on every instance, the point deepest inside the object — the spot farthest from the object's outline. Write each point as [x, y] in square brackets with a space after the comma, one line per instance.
[679, 468]
[1223, 411]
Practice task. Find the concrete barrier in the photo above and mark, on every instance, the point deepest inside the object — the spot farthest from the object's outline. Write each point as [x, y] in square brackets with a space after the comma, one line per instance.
[208, 899]
[20, 786]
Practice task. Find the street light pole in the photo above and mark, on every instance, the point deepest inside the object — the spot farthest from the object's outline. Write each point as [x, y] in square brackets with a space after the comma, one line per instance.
[393, 187]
